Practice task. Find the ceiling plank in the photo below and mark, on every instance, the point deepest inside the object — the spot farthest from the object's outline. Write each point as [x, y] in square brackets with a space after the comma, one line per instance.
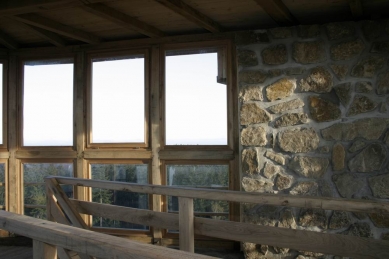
[7, 41]
[356, 8]
[192, 14]
[278, 11]
[123, 20]
[53, 26]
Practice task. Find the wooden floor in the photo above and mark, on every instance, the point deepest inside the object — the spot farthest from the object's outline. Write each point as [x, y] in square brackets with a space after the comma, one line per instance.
[15, 252]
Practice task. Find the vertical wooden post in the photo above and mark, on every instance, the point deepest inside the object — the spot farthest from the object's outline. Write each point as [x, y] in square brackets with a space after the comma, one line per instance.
[43, 251]
[186, 224]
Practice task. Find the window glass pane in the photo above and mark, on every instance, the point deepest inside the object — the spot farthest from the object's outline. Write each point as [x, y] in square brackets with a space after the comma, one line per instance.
[200, 176]
[48, 104]
[1, 102]
[34, 187]
[2, 188]
[196, 105]
[123, 173]
[118, 101]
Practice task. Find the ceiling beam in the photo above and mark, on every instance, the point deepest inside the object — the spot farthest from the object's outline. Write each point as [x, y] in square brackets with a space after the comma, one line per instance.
[278, 11]
[356, 8]
[192, 14]
[53, 26]
[123, 20]
[7, 41]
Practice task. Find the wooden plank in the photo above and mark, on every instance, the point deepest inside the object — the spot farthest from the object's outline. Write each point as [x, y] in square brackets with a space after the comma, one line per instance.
[7, 41]
[43, 251]
[37, 154]
[4, 155]
[356, 8]
[123, 20]
[278, 11]
[117, 154]
[53, 26]
[137, 216]
[201, 155]
[186, 223]
[47, 35]
[335, 244]
[191, 14]
[57, 214]
[353, 205]
[87, 242]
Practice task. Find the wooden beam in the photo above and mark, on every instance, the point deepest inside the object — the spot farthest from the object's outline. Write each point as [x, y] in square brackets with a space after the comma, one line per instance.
[278, 11]
[53, 26]
[186, 223]
[34, 154]
[123, 20]
[7, 41]
[356, 8]
[191, 14]
[193, 154]
[47, 35]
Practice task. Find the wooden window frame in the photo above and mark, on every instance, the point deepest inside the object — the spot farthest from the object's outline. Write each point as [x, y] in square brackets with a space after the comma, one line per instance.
[5, 184]
[4, 146]
[22, 62]
[118, 54]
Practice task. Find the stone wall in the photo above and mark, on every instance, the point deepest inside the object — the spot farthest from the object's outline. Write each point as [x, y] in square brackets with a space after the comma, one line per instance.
[314, 121]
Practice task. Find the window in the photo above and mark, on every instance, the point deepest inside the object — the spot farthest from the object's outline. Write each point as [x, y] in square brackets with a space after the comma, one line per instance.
[118, 100]
[48, 103]
[34, 185]
[196, 104]
[132, 173]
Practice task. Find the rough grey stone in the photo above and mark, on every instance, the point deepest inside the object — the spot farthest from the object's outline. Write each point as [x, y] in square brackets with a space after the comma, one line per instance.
[283, 182]
[287, 220]
[370, 159]
[380, 220]
[311, 167]
[247, 58]
[360, 105]
[322, 110]
[281, 32]
[308, 31]
[292, 71]
[371, 29]
[325, 189]
[252, 76]
[383, 107]
[286, 106]
[338, 157]
[264, 215]
[343, 91]
[249, 161]
[319, 81]
[253, 136]
[251, 93]
[387, 138]
[324, 149]
[359, 229]
[278, 158]
[275, 55]
[385, 236]
[298, 140]
[257, 185]
[305, 188]
[380, 47]
[313, 218]
[291, 119]
[340, 71]
[255, 251]
[357, 145]
[250, 37]
[339, 219]
[274, 73]
[340, 30]
[347, 184]
[251, 113]
[347, 50]
[379, 186]
[367, 67]
[309, 52]
[363, 87]
[280, 89]
[383, 83]
[270, 171]
[368, 128]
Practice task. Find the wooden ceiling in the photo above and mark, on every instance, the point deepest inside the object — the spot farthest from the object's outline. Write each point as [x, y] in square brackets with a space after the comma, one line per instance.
[35, 23]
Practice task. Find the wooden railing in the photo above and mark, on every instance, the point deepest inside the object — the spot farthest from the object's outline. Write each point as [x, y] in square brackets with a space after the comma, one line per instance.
[67, 211]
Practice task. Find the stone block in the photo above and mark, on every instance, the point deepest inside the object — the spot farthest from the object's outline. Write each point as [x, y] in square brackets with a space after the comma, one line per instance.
[270, 170]
[347, 184]
[252, 76]
[364, 87]
[249, 161]
[291, 119]
[251, 113]
[343, 91]
[357, 145]
[380, 47]
[280, 89]
[275, 73]
[253, 136]
[260, 185]
[299, 140]
[338, 157]
[322, 110]
[369, 160]
[287, 220]
[275, 55]
[251, 93]
[278, 158]
[318, 81]
[305, 188]
[309, 52]
[361, 104]
[283, 182]
[281, 32]
[347, 50]
[379, 186]
[310, 167]
[380, 220]
[359, 229]
[383, 83]
[286, 106]
[313, 218]
[340, 71]
[251, 37]
[308, 31]
[292, 71]
[340, 30]
[247, 58]
[368, 67]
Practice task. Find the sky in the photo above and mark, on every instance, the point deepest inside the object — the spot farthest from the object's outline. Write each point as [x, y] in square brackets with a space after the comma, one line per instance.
[196, 105]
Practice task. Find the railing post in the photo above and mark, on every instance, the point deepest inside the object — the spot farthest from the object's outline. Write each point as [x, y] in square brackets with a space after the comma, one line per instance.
[186, 224]
[43, 251]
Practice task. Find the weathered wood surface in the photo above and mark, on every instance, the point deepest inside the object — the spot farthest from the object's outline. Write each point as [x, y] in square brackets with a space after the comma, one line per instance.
[186, 223]
[85, 241]
[353, 205]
